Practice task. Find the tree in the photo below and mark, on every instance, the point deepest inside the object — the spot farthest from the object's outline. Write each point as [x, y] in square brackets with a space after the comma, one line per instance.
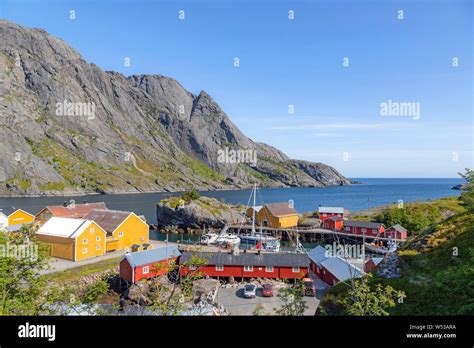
[467, 197]
[191, 195]
[362, 300]
[21, 261]
[292, 298]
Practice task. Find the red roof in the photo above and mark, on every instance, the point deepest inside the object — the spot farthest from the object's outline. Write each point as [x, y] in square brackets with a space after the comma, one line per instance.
[77, 211]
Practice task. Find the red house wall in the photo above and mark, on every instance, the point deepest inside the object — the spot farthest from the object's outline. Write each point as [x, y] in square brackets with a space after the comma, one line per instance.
[287, 273]
[399, 235]
[126, 270]
[328, 215]
[324, 274]
[332, 225]
[370, 232]
[153, 269]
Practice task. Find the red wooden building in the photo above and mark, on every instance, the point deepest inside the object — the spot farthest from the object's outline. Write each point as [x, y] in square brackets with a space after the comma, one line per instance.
[249, 265]
[396, 231]
[332, 269]
[147, 263]
[333, 223]
[328, 212]
[370, 229]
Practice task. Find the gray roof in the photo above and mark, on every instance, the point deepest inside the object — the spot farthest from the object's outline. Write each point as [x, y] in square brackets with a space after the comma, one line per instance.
[399, 228]
[8, 210]
[363, 224]
[250, 259]
[341, 268]
[146, 257]
[318, 254]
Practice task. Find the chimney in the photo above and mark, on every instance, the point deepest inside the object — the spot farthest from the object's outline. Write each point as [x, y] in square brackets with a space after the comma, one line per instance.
[64, 204]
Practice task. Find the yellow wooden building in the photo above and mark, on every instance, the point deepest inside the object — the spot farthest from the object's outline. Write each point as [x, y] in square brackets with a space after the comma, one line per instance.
[13, 219]
[277, 215]
[123, 228]
[73, 239]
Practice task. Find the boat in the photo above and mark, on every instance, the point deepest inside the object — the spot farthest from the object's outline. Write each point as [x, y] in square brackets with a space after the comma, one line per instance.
[390, 248]
[209, 238]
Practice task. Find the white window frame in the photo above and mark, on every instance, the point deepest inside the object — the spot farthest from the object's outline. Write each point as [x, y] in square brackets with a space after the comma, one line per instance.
[92, 230]
[219, 268]
[269, 269]
[146, 270]
[248, 268]
[120, 234]
[295, 269]
[364, 230]
[348, 228]
[97, 239]
[84, 250]
[374, 230]
[142, 238]
[192, 267]
[85, 240]
[97, 247]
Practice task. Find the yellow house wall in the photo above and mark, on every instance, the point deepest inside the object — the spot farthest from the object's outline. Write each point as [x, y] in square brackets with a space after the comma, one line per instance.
[58, 246]
[20, 217]
[87, 240]
[276, 222]
[43, 216]
[135, 231]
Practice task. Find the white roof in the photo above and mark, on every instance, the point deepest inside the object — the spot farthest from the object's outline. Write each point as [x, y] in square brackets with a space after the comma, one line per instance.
[332, 210]
[64, 227]
[341, 268]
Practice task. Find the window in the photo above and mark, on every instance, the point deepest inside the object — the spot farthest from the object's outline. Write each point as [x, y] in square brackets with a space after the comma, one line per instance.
[324, 214]
[269, 269]
[97, 238]
[248, 268]
[348, 228]
[92, 230]
[219, 268]
[84, 251]
[84, 241]
[192, 267]
[295, 269]
[142, 238]
[97, 247]
[146, 269]
[374, 231]
[364, 230]
[120, 234]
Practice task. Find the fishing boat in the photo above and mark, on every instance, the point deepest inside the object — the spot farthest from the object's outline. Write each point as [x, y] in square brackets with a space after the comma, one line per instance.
[259, 240]
[380, 249]
[209, 238]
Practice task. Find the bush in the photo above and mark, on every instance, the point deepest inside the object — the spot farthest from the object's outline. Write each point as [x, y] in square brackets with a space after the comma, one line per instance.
[191, 195]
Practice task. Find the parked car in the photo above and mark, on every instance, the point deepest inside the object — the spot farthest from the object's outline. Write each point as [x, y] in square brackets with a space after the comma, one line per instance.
[250, 290]
[309, 287]
[267, 290]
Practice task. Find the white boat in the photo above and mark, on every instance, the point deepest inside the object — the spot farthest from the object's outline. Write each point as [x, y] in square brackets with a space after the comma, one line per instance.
[390, 248]
[209, 238]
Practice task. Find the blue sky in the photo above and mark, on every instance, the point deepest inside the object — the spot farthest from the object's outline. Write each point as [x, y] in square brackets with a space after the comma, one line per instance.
[299, 62]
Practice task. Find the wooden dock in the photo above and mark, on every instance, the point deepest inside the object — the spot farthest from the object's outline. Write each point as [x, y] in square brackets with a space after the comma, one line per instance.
[320, 231]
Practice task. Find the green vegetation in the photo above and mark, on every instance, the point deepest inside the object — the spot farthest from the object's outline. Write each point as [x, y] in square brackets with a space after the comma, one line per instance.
[292, 298]
[20, 264]
[22, 184]
[191, 195]
[416, 217]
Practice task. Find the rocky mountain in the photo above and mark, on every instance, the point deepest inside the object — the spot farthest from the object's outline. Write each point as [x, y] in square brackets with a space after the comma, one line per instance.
[68, 127]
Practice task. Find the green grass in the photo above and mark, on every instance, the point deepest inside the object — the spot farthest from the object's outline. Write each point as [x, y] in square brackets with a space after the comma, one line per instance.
[76, 273]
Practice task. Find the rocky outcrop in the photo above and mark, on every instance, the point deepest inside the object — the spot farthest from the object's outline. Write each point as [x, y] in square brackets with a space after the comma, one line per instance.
[68, 127]
[196, 214]
[459, 187]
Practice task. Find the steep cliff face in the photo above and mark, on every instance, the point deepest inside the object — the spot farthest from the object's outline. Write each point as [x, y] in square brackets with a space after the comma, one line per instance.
[68, 127]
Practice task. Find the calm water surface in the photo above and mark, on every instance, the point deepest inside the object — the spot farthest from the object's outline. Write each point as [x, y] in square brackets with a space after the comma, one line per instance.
[371, 193]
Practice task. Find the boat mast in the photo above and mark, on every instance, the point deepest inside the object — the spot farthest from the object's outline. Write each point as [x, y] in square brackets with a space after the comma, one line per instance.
[254, 202]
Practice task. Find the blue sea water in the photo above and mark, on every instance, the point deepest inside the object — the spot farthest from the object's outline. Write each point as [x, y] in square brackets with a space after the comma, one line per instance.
[371, 193]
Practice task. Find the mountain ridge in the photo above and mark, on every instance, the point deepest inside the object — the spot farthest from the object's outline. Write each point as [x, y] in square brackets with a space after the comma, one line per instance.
[147, 134]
